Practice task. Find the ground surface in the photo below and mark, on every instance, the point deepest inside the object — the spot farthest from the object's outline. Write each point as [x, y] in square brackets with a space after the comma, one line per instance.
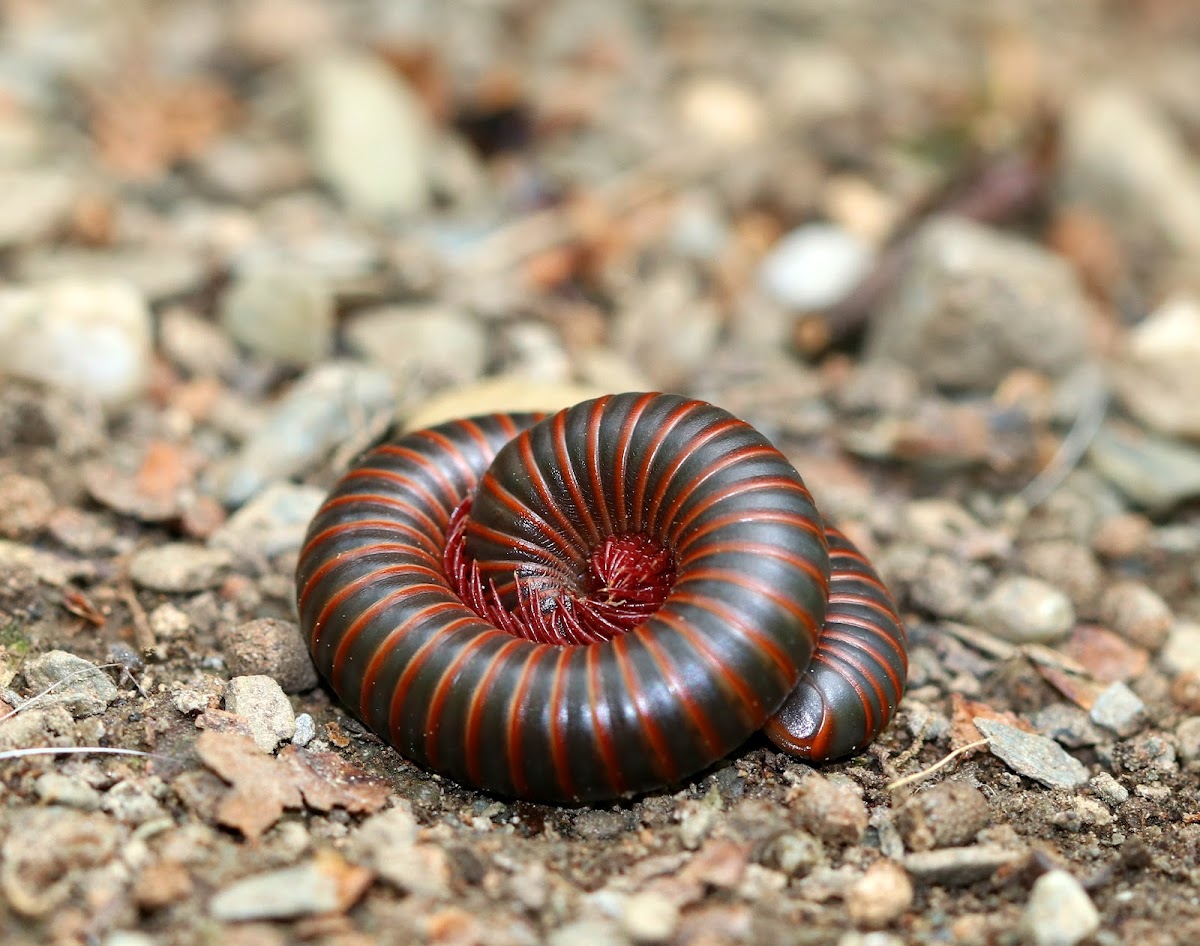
[946, 255]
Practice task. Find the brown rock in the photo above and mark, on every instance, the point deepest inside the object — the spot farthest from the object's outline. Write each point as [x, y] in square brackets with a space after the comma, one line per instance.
[948, 815]
[272, 648]
[833, 811]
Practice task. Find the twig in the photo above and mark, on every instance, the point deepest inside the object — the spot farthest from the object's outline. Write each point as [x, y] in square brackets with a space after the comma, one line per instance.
[143, 634]
[925, 773]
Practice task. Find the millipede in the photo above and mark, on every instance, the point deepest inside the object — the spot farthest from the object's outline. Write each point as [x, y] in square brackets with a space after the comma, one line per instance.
[596, 603]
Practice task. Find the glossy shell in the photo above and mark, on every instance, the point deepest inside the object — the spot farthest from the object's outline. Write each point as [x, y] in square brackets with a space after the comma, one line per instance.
[748, 624]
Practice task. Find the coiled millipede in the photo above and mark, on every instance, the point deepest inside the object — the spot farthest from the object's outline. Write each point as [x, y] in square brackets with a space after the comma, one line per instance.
[594, 604]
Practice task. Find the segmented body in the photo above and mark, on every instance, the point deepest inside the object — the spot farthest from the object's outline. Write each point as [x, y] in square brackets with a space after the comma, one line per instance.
[595, 604]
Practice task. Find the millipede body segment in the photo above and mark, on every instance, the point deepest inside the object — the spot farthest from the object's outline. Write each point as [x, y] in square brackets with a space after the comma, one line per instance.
[594, 604]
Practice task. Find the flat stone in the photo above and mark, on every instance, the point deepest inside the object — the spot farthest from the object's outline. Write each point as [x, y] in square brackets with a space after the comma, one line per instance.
[36, 200]
[81, 687]
[959, 866]
[260, 700]
[1155, 473]
[179, 567]
[325, 884]
[272, 523]
[1033, 756]
[1181, 652]
[424, 347]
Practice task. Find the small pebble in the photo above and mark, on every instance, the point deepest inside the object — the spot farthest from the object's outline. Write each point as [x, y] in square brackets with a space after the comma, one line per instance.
[1137, 613]
[80, 687]
[1059, 911]
[272, 647]
[26, 506]
[1119, 710]
[1156, 473]
[306, 730]
[1025, 611]
[270, 524]
[1181, 652]
[949, 814]
[1109, 789]
[424, 348]
[1187, 734]
[56, 789]
[281, 313]
[264, 705]
[179, 567]
[881, 896]
[833, 811]
[1033, 756]
[814, 267]
[649, 917]
[325, 884]
[796, 853]
[1068, 566]
[721, 111]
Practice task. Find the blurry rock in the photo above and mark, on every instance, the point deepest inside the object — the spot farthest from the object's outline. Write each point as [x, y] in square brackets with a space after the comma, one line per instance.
[156, 272]
[1137, 613]
[1157, 377]
[534, 350]
[369, 138]
[195, 344]
[948, 815]
[1154, 472]
[326, 884]
[46, 854]
[1119, 710]
[975, 304]
[273, 648]
[87, 338]
[179, 567]
[424, 347]
[36, 200]
[668, 328]
[1181, 652]
[880, 896]
[1059, 911]
[721, 111]
[1025, 611]
[813, 267]
[281, 312]
[1122, 158]
[82, 688]
[816, 83]
[1069, 566]
[316, 415]
[26, 505]
[271, 523]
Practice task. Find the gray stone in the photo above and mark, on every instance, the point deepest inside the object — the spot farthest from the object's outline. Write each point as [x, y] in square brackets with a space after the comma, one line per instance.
[1154, 472]
[1067, 725]
[155, 272]
[313, 418]
[1137, 613]
[369, 138]
[54, 788]
[1033, 756]
[667, 327]
[814, 266]
[975, 304]
[179, 567]
[270, 647]
[1059, 911]
[264, 705]
[959, 866]
[270, 524]
[1119, 710]
[1025, 611]
[88, 338]
[1156, 376]
[78, 686]
[424, 347]
[306, 730]
[195, 344]
[281, 312]
[1122, 158]
[1109, 789]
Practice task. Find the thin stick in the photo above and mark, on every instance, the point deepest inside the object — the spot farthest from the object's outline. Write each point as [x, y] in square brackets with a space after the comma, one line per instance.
[57, 683]
[77, 750]
[924, 773]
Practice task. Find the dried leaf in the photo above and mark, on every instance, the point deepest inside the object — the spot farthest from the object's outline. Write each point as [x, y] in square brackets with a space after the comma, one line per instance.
[328, 781]
[261, 787]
